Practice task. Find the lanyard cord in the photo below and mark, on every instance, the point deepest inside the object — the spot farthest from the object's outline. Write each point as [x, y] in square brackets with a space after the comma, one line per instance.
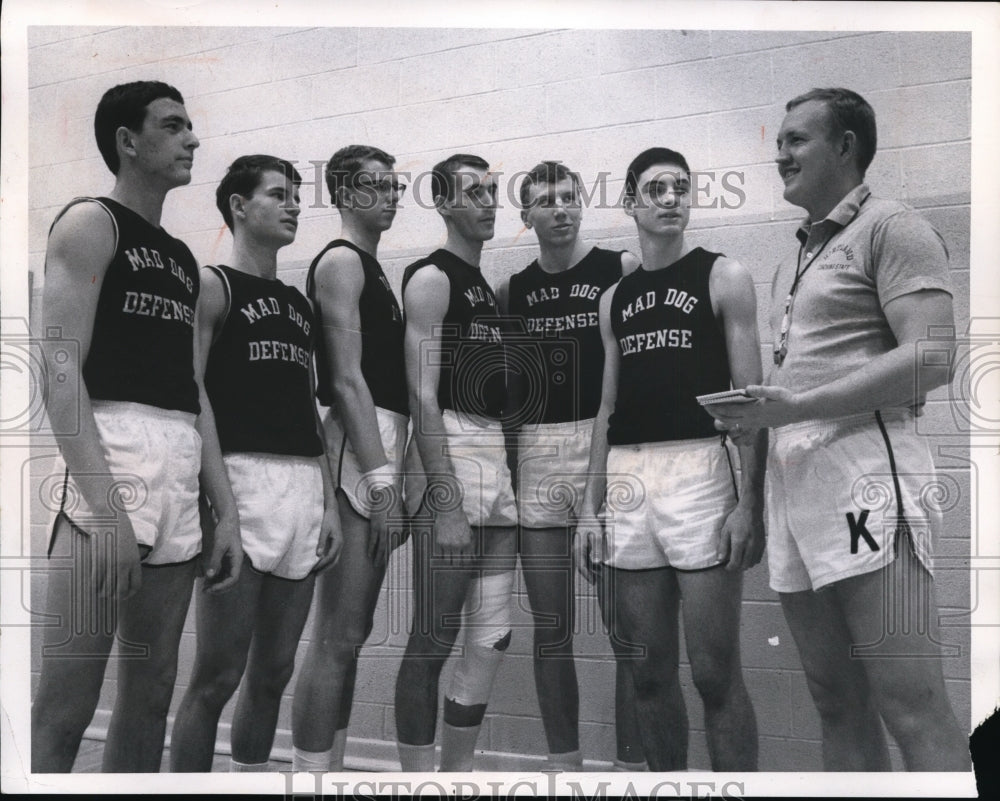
[781, 347]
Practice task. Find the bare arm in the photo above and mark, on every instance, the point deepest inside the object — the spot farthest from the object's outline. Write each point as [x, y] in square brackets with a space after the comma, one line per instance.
[331, 538]
[735, 305]
[586, 544]
[224, 537]
[426, 303]
[630, 263]
[339, 281]
[895, 378]
[80, 248]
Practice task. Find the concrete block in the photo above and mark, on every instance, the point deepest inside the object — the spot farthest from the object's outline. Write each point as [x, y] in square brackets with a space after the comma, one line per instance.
[727, 43]
[597, 741]
[390, 44]
[769, 691]
[783, 754]
[460, 124]
[922, 115]
[584, 103]
[299, 53]
[732, 197]
[97, 53]
[745, 137]
[41, 35]
[932, 56]
[449, 73]
[59, 138]
[621, 51]
[954, 225]
[515, 734]
[936, 175]
[350, 91]
[239, 110]
[706, 86]
[536, 59]
[513, 688]
[596, 679]
[959, 694]
[845, 61]
[52, 185]
[956, 647]
[205, 73]
[805, 723]
[367, 721]
[762, 623]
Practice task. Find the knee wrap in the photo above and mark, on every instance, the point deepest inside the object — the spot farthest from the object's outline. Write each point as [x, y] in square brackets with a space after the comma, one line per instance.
[487, 636]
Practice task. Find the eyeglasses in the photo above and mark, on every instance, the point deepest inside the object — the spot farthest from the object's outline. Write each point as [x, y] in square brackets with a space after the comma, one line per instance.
[384, 187]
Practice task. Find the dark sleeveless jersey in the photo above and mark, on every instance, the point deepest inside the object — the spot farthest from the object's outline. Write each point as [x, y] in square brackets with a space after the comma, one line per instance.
[559, 371]
[382, 329]
[142, 344]
[671, 349]
[473, 377]
[259, 377]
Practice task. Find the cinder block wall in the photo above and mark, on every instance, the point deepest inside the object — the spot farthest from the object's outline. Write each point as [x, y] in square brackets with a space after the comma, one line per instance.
[593, 99]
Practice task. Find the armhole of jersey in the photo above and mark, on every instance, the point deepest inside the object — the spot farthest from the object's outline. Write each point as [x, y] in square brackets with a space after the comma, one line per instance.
[229, 298]
[77, 200]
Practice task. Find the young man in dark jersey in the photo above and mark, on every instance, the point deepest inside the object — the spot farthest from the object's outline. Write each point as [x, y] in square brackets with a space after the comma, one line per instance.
[127, 526]
[461, 495]
[682, 325]
[556, 391]
[258, 374]
[362, 379]
[851, 485]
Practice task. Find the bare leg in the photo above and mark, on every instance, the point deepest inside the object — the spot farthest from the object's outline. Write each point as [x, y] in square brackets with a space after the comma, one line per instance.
[628, 740]
[224, 628]
[644, 634]
[439, 591]
[894, 613]
[547, 567]
[853, 738]
[347, 594]
[76, 644]
[282, 608]
[712, 601]
[154, 618]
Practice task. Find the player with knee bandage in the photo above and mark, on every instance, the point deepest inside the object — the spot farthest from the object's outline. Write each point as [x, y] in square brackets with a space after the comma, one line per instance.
[458, 486]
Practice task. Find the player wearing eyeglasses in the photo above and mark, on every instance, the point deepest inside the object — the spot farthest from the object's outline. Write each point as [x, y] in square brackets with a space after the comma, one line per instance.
[362, 379]
[683, 324]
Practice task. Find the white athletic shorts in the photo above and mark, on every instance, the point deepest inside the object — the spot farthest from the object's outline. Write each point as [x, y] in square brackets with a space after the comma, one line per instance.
[344, 467]
[552, 471]
[280, 501]
[666, 503]
[836, 491]
[475, 445]
[154, 455]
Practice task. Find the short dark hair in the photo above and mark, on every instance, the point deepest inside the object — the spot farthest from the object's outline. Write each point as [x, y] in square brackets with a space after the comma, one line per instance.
[243, 178]
[546, 172]
[645, 160]
[850, 112]
[443, 174]
[126, 104]
[345, 164]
